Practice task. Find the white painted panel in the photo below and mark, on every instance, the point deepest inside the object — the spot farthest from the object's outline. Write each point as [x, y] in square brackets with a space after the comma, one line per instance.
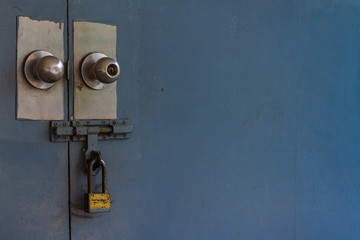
[33, 103]
[88, 103]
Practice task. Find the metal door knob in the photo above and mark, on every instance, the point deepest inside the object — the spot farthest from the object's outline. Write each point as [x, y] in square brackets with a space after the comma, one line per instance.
[98, 69]
[43, 70]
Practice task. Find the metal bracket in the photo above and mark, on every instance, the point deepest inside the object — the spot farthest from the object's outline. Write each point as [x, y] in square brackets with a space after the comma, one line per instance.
[92, 131]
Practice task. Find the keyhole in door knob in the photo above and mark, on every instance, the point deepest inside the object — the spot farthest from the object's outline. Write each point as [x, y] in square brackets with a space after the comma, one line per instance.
[97, 70]
[112, 70]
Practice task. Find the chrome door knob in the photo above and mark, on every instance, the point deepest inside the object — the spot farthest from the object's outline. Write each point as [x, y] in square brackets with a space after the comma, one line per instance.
[49, 69]
[106, 70]
[98, 69]
[43, 70]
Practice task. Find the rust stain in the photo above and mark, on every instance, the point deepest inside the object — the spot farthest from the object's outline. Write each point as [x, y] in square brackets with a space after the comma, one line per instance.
[79, 86]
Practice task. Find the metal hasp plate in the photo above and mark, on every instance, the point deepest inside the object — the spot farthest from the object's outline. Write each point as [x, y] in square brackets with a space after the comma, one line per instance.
[79, 130]
[91, 131]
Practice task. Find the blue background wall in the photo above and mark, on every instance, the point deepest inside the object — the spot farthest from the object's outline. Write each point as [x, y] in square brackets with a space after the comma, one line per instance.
[246, 117]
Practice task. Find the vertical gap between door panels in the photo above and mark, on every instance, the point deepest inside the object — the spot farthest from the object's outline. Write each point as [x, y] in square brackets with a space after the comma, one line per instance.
[68, 107]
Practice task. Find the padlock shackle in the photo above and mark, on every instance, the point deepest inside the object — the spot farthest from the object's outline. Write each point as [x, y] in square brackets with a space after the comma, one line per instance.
[103, 172]
[104, 176]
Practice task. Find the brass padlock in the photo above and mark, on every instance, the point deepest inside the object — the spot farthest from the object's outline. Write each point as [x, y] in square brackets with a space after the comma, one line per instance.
[97, 202]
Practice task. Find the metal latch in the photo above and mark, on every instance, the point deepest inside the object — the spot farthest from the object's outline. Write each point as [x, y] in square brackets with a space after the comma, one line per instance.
[91, 131]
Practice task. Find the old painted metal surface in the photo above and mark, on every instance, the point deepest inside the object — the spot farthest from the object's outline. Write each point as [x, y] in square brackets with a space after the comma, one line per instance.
[246, 116]
[78, 130]
[92, 131]
[126, 95]
[92, 37]
[33, 103]
[33, 173]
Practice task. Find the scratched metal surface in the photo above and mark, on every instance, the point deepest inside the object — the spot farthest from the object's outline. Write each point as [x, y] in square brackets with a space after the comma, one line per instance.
[246, 118]
[33, 171]
[92, 37]
[33, 103]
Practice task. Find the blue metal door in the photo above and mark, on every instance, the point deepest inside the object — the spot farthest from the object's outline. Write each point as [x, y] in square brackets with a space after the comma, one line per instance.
[34, 171]
[245, 118]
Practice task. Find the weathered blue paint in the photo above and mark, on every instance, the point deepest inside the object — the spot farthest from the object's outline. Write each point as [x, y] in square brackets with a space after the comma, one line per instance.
[245, 118]
[246, 121]
[121, 156]
[33, 171]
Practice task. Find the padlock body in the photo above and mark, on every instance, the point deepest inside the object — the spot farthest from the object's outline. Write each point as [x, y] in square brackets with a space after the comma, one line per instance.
[97, 202]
